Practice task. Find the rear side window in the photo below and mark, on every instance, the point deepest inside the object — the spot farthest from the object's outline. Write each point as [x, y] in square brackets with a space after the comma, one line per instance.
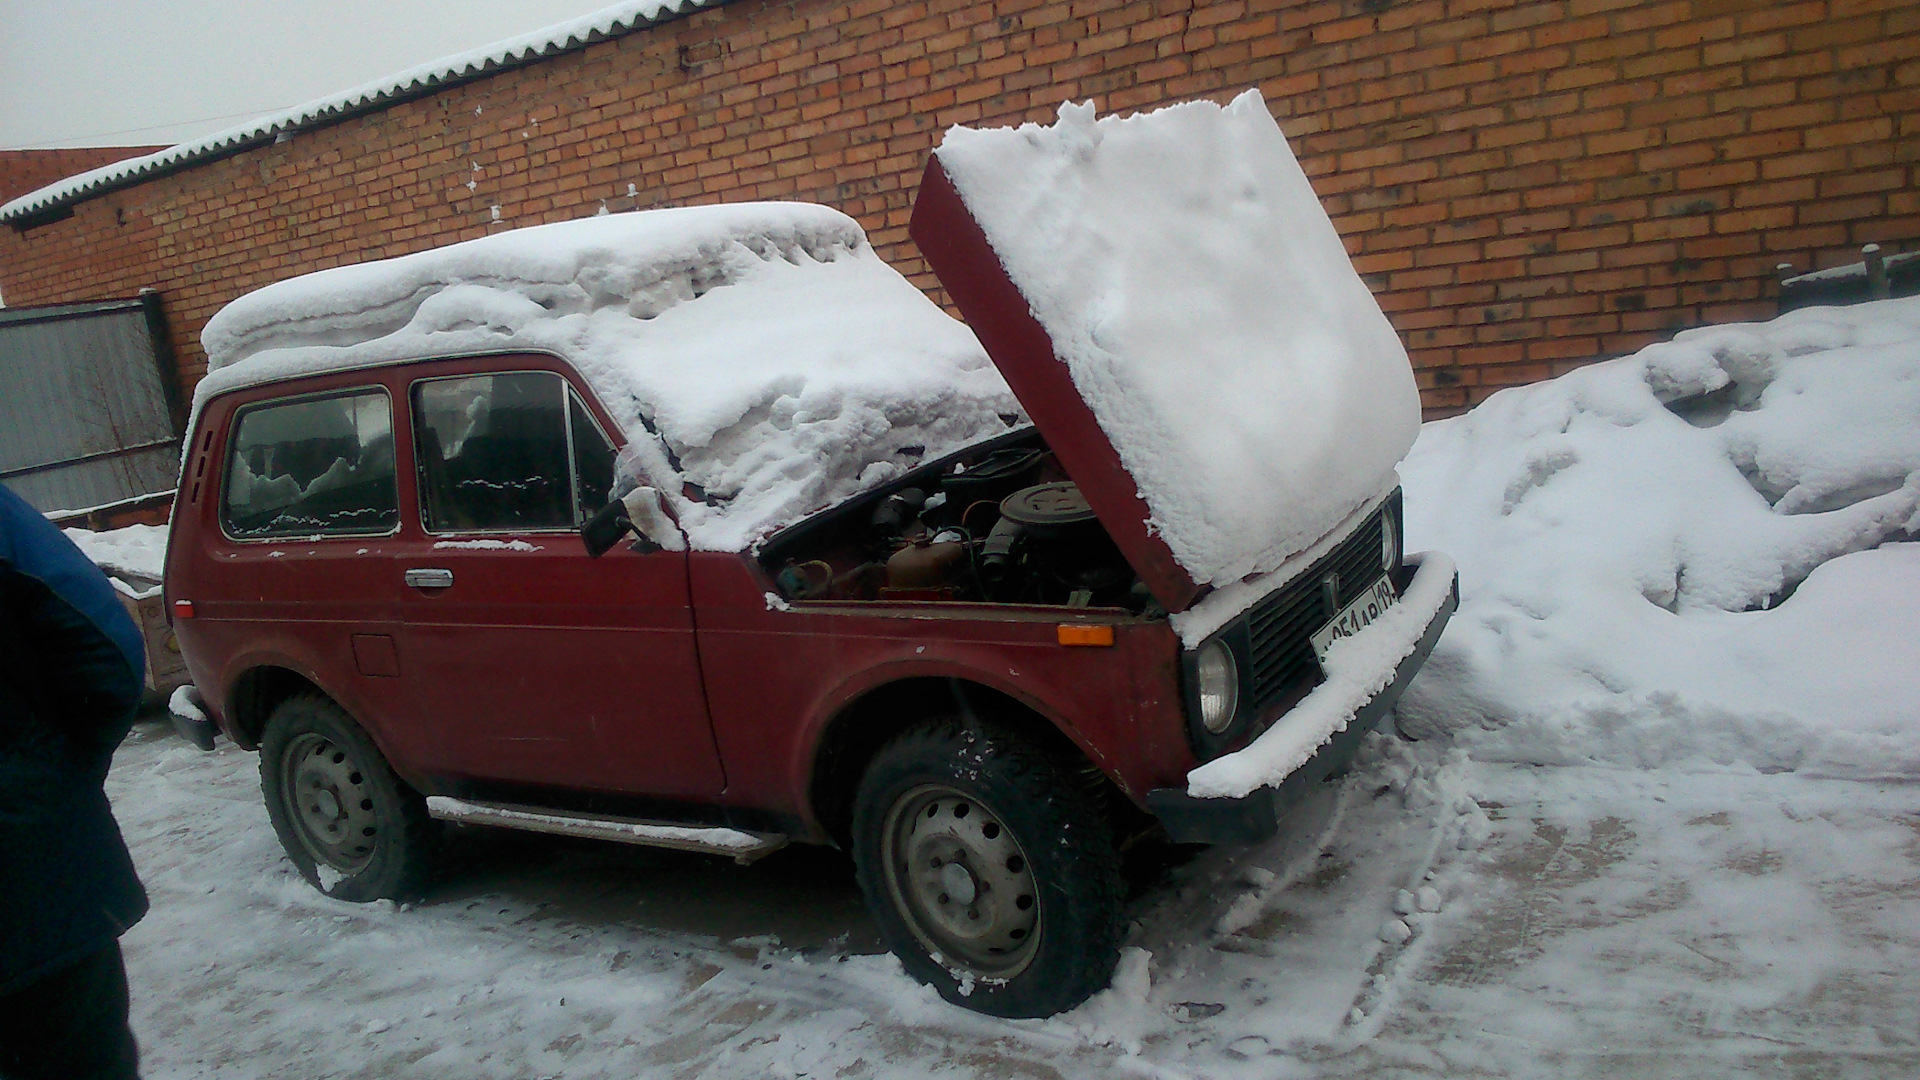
[512, 452]
[312, 467]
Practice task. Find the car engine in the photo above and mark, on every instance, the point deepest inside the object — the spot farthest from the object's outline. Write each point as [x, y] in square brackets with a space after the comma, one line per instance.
[1000, 524]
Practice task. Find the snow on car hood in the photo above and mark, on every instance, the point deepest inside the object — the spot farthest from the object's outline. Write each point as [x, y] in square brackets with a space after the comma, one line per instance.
[762, 359]
[1245, 382]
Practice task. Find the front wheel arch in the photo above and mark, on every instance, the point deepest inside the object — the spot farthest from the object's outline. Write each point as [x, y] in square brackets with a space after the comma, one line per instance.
[870, 721]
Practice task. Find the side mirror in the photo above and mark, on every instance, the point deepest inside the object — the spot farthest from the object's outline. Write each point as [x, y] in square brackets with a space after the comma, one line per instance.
[640, 512]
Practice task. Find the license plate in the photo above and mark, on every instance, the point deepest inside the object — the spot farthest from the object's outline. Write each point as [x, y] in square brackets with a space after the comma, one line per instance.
[1355, 617]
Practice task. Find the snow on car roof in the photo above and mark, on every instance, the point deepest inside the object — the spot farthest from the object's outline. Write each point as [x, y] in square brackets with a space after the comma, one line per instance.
[760, 352]
[1207, 312]
[608, 22]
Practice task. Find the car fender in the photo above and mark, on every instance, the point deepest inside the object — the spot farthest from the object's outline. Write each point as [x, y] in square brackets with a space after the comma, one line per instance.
[929, 663]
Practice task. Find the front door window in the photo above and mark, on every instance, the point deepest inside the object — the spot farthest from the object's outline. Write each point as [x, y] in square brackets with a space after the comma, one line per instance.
[493, 456]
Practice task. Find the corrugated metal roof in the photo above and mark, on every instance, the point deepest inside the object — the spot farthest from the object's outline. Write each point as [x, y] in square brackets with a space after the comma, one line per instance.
[608, 22]
[10, 316]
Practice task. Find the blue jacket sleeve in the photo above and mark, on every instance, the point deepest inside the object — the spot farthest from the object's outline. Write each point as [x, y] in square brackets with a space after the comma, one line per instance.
[77, 654]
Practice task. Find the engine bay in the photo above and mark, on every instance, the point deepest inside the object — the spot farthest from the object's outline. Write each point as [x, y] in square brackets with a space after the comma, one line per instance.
[999, 523]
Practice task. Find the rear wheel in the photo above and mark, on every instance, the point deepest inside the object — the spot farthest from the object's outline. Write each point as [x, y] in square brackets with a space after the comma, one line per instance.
[990, 866]
[352, 827]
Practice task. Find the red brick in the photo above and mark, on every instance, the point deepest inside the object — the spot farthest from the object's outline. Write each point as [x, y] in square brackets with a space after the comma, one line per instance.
[1851, 209]
[1843, 134]
[1744, 48]
[1768, 145]
[1853, 183]
[1821, 161]
[1732, 172]
[1785, 191]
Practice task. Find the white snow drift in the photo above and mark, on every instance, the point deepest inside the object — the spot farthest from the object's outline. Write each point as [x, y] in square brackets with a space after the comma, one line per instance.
[138, 550]
[1207, 312]
[1699, 553]
[782, 365]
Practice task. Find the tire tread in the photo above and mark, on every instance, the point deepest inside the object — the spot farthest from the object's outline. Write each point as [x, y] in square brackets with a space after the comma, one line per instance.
[1066, 790]
[409, 868]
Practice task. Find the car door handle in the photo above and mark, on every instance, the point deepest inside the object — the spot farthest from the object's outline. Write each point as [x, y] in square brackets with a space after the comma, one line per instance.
[431, 578]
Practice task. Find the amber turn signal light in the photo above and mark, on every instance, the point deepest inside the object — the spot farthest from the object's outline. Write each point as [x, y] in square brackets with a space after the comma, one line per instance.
[1083, 634]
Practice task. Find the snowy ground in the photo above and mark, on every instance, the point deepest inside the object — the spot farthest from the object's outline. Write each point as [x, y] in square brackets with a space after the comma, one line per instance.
[1663, 816]
[1598, 922]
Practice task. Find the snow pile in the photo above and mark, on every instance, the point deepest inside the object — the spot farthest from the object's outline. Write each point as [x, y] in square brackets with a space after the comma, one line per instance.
[1208, 314]
[1120, 1015]
[1699, 553]
[136, 550]
[763, 361]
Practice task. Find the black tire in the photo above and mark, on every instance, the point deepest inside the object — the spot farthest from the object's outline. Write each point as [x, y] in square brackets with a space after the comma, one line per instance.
[990, 865]
[353, 828]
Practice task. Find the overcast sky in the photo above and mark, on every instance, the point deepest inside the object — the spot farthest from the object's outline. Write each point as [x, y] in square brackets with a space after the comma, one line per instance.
[158, 72]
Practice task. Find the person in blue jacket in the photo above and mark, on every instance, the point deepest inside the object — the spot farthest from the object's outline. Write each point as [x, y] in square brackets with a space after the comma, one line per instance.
[71, 676]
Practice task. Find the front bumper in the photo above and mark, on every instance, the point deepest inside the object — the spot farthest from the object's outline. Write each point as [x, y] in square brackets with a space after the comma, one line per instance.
[1256, 816]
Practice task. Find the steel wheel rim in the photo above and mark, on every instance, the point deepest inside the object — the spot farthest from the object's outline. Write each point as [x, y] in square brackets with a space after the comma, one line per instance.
[329, 803]
[961, 881]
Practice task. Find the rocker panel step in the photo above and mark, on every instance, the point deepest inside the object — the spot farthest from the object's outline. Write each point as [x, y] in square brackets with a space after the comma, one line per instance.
[741, 846]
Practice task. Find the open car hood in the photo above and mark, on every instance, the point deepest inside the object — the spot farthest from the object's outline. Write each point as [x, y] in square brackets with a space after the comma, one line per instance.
[1177, 314]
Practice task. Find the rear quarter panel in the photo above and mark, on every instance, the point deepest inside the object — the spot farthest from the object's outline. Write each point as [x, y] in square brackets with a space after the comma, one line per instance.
[292, 603]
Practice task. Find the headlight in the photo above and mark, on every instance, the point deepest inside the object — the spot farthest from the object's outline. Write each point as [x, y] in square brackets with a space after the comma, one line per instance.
[1219, 687]
[1389, 537]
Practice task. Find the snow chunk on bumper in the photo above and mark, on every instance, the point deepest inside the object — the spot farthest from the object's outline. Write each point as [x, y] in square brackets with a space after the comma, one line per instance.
[1208, 314]
[1357, 668]
[762, 360]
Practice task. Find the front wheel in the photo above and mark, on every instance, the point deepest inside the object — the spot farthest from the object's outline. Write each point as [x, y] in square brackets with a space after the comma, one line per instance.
[990, 867]
[352, 827]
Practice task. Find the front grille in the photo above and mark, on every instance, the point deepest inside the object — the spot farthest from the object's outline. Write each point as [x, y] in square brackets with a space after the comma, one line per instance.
[1279, 627]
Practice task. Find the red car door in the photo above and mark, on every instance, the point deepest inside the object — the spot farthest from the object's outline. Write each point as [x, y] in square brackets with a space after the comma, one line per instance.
[534, 664]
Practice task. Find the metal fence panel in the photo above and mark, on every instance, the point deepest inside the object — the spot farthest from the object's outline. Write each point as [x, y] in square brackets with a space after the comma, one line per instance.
[84, 414]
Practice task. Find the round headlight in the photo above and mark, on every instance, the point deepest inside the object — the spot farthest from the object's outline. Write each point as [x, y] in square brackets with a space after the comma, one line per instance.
[1219, 687]
[1389, 536]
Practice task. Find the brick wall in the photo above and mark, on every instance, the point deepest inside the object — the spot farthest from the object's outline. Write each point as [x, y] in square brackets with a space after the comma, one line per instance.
[1527, 184]
[22, 171]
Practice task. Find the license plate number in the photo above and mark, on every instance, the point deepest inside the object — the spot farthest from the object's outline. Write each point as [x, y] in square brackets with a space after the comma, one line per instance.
[1355, 617]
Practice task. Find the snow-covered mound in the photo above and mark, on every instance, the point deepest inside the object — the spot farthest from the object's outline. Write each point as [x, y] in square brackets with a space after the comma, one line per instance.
[136, 550]
[1208, 314]
[760, 352]
[1699, 553]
